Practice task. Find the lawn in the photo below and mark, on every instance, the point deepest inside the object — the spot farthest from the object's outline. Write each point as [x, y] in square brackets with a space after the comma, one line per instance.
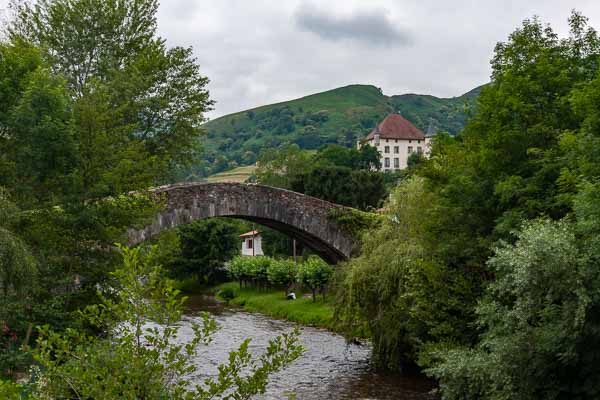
[273, 303]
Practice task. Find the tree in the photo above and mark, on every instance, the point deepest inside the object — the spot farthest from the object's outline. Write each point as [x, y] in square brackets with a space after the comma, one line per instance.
[368, 189]
[205, 246]
[336, 155]
[135, 96]
[281, 167]
[143, 359]
[282, 273]
[396, 289]
[331, 183]
[540, 317]
[37, 147]
[370, 159]
[315, 274]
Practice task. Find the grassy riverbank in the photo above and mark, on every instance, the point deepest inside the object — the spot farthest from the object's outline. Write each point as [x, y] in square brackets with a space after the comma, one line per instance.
[273, 303]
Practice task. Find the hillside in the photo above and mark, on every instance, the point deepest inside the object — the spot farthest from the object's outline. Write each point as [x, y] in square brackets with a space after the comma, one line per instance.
[340, 116]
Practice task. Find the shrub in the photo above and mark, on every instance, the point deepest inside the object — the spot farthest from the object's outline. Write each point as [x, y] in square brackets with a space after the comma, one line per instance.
[227, 294]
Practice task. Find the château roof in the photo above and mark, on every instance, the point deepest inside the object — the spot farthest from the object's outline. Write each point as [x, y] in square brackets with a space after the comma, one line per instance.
[395, 126]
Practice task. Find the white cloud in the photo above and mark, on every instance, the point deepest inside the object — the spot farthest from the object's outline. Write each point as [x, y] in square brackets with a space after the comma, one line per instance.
[262, 51]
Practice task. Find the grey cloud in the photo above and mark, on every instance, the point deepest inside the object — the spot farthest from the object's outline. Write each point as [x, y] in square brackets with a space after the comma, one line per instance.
[373, 27]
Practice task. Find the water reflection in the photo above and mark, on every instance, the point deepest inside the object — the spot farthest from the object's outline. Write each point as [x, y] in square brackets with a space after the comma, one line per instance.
[329, 369]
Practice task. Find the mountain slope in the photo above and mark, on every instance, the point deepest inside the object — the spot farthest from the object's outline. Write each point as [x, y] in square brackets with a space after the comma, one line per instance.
[340, 116]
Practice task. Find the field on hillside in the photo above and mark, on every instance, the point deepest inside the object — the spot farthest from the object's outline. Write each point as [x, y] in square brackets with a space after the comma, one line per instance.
[237, 175]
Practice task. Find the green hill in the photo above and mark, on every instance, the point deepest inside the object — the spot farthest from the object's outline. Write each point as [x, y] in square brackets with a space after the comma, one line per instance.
[340, 116]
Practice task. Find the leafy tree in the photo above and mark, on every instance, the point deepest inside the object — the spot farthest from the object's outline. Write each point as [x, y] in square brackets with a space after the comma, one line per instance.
[333, 154]
[540, 318]
[280, 168]
[398, 291]
[134, 95]
[315, 274]
[282, 273]
[370, 159]
[204, 248]
[368, 189]
[37, 151]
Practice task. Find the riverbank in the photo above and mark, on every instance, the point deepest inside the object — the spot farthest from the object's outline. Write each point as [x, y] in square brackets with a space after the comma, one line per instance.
[274, 304]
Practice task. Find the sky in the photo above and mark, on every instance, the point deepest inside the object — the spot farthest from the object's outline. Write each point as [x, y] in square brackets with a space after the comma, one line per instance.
[258, 52]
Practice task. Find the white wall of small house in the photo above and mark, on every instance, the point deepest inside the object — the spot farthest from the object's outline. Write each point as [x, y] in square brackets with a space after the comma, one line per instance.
[247, 247]
[403, 153]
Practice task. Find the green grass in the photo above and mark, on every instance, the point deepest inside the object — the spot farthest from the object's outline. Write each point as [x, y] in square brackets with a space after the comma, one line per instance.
[237, 175]
[273, 303]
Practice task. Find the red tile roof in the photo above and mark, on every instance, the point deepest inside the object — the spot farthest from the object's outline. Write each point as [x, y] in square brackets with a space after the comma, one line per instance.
[394, 126]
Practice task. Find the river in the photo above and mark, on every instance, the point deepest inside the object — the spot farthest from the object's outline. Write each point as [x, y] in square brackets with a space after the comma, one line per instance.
[328, 369]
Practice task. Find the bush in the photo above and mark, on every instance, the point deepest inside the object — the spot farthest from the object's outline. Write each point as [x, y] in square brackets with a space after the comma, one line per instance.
[226, 294]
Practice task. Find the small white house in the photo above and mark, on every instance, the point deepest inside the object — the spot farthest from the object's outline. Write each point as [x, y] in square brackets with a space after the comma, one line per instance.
[252, 244]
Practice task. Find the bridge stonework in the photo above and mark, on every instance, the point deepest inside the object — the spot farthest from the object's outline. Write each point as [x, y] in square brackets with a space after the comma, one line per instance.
[302, 217]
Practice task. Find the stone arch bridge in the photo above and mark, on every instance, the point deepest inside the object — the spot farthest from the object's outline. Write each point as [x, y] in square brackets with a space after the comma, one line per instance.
[304, 218]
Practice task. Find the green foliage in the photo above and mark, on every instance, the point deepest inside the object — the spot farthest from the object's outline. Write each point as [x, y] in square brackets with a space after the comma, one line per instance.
[10, 391]
[135, 105]
[282, 273]
[204, 248]
[226, 293]
[541, 322]
[355, 222]
[144, 359]
[280, 168]
[397, 291]
[457, 280]
[250, 269]
[315, 274]
[93, 105]
[334, 173]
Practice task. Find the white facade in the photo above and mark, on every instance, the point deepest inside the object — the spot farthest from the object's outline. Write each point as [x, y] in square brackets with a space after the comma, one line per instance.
[395, 152]
[252, 244]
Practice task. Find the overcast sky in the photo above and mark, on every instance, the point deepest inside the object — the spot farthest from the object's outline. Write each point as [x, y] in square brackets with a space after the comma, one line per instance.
[262, 51]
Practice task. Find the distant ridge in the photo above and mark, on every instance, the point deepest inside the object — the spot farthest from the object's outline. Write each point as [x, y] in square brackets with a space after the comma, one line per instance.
[341, 116]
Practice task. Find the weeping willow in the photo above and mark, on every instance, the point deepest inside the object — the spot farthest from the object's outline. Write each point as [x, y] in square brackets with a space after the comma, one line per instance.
[17, 265]
[396, 290]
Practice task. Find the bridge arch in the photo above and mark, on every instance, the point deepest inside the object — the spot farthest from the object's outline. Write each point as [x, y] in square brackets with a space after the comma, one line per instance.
[304, 218]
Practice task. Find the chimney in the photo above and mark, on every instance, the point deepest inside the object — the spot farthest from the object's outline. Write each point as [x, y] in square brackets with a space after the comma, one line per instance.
[377, 135]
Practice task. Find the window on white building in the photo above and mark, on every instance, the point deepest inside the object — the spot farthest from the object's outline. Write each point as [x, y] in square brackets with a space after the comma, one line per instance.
[396, 149]
[386, 162]
[420, 150]
[396, 163]
[249, 243]
[387, 149]
[418, 141]
[410, 149]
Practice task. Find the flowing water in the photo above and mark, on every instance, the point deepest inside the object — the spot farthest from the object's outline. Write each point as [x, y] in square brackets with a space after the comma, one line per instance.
[328, 369]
